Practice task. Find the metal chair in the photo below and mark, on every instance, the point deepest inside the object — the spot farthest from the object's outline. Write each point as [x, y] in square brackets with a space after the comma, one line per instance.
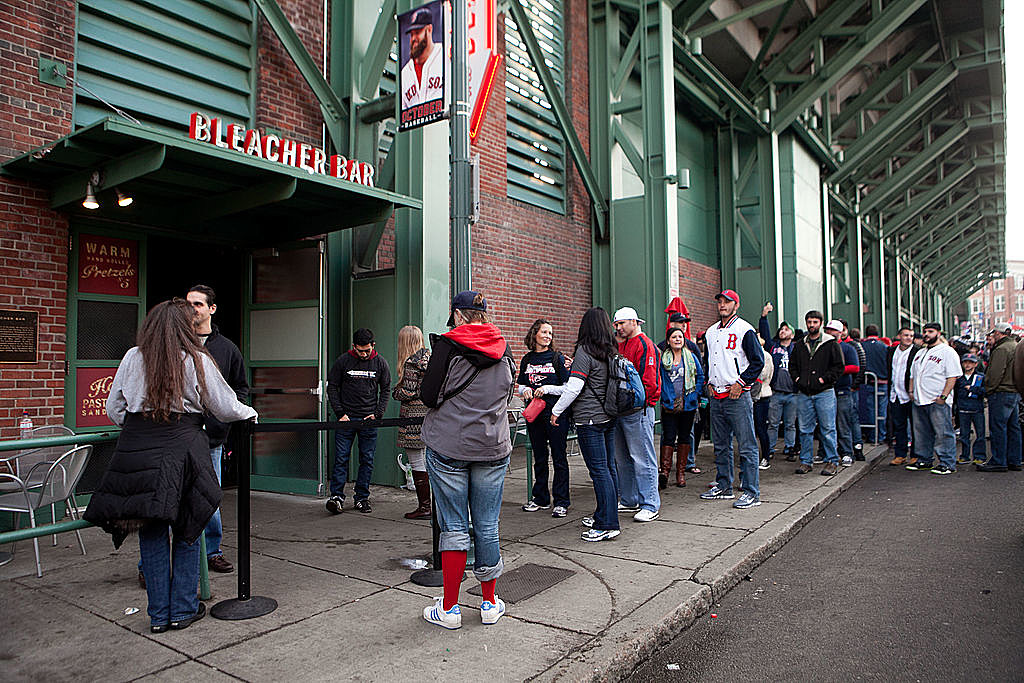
[56, 483]
[26, 460]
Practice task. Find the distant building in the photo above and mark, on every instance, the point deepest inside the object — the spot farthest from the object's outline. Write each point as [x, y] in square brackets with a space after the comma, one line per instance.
[999, 302]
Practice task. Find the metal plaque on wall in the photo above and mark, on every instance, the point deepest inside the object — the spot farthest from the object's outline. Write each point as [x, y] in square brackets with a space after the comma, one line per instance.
[19, 336]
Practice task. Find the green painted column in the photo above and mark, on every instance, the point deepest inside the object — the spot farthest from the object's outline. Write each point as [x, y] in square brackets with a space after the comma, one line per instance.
[772, 288]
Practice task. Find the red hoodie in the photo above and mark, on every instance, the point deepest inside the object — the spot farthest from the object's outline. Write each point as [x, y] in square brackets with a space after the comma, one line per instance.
[482, 337]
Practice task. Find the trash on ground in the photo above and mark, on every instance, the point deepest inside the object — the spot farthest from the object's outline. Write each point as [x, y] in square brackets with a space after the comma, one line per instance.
[672, 667]
[130, 610]
[714, 616]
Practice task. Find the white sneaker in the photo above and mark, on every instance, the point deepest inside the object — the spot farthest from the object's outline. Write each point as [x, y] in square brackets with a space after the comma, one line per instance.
[533, 507]
[588, 522]
[490, 613]
[847, 461]
[435, 614]
[645, 515]
[628, 508]
[559, 511]
[592, 535]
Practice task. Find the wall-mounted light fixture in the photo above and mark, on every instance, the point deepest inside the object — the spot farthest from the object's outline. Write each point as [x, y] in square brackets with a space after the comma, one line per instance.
[90, 191]
[123, 199]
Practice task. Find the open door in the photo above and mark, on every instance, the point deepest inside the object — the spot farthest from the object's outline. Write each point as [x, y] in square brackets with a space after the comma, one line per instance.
[285, 347]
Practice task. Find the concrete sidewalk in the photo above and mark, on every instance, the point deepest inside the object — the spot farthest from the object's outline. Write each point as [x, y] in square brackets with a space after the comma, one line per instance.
[349, 612]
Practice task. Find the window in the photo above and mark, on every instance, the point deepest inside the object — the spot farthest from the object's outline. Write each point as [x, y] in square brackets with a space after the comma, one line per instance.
[998, 322]
[998, 284]
[535, 148]
[1000, 302]
[1018, 281]
[975, 305]
[1019, 305]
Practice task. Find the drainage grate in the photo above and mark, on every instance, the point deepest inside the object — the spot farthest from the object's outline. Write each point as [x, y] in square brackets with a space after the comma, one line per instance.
[526, 581]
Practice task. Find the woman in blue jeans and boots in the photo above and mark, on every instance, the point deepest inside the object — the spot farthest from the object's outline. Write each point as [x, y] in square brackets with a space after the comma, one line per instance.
[585, 390]
[545, 365]
[160, 392]
[467, 388]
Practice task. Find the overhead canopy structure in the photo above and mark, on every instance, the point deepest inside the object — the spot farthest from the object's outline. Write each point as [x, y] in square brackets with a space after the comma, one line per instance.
[192, 188]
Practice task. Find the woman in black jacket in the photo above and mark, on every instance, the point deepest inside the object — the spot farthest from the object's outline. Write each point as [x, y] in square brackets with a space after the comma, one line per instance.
[545, 365]
[161, 475]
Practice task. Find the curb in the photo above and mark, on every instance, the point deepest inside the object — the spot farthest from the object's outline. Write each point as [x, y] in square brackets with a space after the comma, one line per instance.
[715, 579]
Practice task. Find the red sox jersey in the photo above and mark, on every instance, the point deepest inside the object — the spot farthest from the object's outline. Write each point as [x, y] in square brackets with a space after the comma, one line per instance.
[429, 85]
[726, 358]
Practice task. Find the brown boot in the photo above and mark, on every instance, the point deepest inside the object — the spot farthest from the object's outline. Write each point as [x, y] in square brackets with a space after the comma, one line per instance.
[682, 455]
[422, 483]
[666, 466]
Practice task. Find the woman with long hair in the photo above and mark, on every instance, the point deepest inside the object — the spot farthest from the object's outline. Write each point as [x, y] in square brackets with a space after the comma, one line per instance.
[585, 391]
[682, 383]
[412, 363]
[541, 365]
[467, 387]
[161, 475]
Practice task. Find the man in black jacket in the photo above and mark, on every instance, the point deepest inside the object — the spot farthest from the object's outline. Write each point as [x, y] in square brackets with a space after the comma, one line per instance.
[358, 387]
[229, 360]
[816, 364]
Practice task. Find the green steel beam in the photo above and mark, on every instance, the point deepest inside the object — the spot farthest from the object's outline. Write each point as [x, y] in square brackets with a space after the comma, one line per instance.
[371, 69]
[565, 125]
[920, 202]
[334, 110]
[727, 205]
[741, 15]
[626, 64]
[838, 65]
[897, 117]
[968, 269]
[834, 16]
[225, 204]
[881, 85]
[112, 173]
[771, 220]
[910, 170]
[700, 97]
[957, 232]
[878, 160]
[633, 155]
[689, 11]
[765, 46]
[701, 69]
[918, 237]
[966, 249]
[366, 239]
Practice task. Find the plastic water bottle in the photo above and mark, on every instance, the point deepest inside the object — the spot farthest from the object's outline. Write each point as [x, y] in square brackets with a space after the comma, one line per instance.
[25, 425]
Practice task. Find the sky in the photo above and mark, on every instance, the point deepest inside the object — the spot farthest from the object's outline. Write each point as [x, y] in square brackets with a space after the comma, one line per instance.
[1013, 19]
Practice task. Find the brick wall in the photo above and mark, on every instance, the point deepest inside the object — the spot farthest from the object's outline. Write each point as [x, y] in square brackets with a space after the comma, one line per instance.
[33, 239]
[698, 285]
[529, 262]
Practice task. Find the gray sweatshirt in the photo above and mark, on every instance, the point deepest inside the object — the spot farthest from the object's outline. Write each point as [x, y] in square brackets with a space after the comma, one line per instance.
[128, 391]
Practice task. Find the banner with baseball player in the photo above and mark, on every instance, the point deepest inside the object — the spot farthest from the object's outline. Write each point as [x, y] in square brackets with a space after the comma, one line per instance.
[423, 53]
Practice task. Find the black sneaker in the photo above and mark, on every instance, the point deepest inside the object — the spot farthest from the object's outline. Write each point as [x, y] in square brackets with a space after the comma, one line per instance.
[335, 505]
[363, 506]
[919, 465]
[858, 452]
[942, 469]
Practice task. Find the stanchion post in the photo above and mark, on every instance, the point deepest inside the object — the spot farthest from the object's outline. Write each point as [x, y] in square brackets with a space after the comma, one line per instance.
[204, 569]
[244, 606]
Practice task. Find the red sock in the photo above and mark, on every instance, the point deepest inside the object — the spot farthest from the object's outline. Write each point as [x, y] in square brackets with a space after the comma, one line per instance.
[453, 566]
[487, 589]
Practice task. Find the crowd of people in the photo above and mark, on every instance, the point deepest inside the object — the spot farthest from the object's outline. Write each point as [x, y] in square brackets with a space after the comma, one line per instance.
[735, 383]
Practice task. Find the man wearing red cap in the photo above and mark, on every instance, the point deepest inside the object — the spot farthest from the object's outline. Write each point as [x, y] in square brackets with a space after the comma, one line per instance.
[735, 360]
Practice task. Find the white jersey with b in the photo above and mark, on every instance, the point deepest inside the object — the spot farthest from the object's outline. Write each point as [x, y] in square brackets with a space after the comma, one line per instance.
[726, 357]
[429, 85]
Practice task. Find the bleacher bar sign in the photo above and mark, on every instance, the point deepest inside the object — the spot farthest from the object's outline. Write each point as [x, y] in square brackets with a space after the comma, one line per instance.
[282, 150]
[424, 40]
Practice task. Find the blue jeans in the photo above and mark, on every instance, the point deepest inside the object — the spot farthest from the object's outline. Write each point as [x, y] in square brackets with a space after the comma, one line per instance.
[1004, 427]
[976, 420]
[343, 440]
[873, 414]
[172, 574]
[545, 436]
[818, 411]
[729, 418]
[847, 421]
[464, 489]
[214, 528]
[933, 433]
[782, 410]
[902, 424]
[597, 445]
[635, 462]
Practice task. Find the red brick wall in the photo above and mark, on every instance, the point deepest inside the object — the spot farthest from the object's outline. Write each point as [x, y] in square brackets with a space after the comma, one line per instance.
[33, 239]
[529, 262]
[698, 285]
[284, 100]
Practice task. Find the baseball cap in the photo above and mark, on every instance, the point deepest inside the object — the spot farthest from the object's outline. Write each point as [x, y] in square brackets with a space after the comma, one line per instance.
[1002, 329]
[836, 325]
[970, 357]
[464, 301]
[627, 313]
[676, 317]
[729, 295]
[421, 18]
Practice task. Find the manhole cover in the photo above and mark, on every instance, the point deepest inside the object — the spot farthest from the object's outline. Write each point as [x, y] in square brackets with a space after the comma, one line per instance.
[526, 581]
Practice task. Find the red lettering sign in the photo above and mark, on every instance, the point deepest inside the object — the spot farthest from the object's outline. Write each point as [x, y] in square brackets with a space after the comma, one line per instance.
[92, 387]
[108, 265]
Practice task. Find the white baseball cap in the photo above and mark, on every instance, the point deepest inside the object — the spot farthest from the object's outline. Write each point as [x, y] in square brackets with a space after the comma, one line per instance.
[627, 313]
[834, 324]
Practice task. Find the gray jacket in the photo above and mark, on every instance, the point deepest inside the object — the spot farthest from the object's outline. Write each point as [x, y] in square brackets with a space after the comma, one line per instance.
[467, 387]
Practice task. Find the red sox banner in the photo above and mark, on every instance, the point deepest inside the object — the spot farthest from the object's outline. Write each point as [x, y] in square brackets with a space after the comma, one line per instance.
[424, 58]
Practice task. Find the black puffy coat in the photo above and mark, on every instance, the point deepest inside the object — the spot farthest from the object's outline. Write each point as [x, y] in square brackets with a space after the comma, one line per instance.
[159, 471]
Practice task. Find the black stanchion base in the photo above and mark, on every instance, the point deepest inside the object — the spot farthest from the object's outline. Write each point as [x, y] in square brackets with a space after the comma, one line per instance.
[430, 577]
[236, 610]
[5, 557]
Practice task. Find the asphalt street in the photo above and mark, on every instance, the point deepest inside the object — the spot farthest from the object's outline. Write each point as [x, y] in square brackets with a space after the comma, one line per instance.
[907, 576]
